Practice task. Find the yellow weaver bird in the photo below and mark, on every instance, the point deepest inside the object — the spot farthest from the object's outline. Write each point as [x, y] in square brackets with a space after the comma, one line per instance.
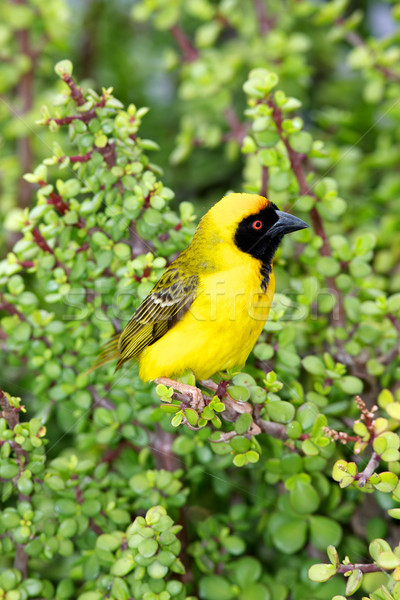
[207, 311]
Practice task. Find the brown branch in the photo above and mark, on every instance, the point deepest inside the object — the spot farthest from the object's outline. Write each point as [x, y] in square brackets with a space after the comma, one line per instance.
[233, 410]
[238, 130]
[99, 400]
[41, 242]
[390, 356]
[43, 245]
[80, 499]
[10, 308]
[355, 40]
[76, 91]
[395, 322]
[225, 437]
[183, 536]
[108, 153]
[26, 264]
[92, 230]
[296, 160]
[394, 353]
[94, 527]
[161, 447]
[367, 416]
[11, 415]
[190, 53]
[358, 567]
[221, 389]
[137, 243]
[275, 430]
[21, 560]
[60, 205]
[264, 181]
[369, 470]
[79, 158]
[265, 24]
[111, 455]
[69, 119]
[25, 93]
[85, 117]
[85, 246]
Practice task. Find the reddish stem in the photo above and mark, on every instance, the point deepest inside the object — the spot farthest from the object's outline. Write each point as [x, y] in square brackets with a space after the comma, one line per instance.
[41, 242]
[76, 91]
[238, 130]
[60, 205]
[80, 158]
[190, 53]
[111, 455]
[358, 567]
[369, 470]
[275, 430]
[296, 160]
[355, 40]
[85, 117]
[10, 308]
[25, 93]
[99, 400]
[264, 22]
[27, 264]
[11, 415]
[108, 153]
[83, 248]
[264, 181]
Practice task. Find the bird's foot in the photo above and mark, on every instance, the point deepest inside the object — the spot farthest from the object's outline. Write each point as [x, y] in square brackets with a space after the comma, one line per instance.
[197, 400]
[220, 389]
[232, 407]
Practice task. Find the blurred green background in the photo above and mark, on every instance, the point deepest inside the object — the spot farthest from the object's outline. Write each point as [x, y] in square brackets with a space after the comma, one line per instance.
[132, 47]
[211, 73]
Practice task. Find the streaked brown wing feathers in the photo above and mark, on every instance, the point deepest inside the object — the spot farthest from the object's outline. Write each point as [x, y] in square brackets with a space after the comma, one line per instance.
[166, 304]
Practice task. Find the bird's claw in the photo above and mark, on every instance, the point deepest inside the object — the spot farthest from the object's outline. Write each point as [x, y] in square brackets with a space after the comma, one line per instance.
[196, 395]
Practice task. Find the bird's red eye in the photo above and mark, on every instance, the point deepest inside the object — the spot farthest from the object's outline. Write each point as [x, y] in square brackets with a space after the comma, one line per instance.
[257, 224]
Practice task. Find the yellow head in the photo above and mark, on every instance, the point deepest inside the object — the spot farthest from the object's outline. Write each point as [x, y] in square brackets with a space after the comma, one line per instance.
[224, 217]
[245, 223]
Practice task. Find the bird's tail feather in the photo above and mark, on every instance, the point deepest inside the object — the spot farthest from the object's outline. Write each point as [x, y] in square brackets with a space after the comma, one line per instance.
[107, 353]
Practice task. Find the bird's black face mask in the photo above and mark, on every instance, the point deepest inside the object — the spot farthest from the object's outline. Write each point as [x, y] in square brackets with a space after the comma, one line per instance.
[261, 233]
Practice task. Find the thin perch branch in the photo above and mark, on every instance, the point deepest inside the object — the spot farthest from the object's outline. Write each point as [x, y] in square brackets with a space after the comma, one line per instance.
[369, 470]
[358, 567]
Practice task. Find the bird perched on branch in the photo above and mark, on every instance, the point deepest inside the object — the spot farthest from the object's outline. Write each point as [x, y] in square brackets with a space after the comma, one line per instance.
[207, 311]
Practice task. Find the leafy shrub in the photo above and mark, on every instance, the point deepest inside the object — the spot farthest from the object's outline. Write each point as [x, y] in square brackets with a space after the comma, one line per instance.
[123, 488]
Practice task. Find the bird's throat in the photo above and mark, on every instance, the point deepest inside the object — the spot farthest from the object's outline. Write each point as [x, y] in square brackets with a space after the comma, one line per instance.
[265, 272]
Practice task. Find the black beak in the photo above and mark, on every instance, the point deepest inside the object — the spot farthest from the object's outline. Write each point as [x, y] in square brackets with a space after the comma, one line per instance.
[286, 224]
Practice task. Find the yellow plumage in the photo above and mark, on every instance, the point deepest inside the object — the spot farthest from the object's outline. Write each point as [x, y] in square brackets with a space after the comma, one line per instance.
[219, 330]
[210, 306]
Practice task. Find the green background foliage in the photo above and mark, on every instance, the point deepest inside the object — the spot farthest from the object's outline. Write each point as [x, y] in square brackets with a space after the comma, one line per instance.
[287, 486]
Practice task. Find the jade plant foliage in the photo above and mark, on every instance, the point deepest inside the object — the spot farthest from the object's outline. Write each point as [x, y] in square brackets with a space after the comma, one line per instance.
[286, 484]
[32, 36]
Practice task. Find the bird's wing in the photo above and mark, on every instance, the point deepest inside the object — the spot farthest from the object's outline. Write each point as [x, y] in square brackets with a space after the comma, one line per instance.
[166, 304]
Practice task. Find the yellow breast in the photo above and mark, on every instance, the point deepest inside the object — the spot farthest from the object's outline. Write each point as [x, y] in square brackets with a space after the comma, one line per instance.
[220, 328]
